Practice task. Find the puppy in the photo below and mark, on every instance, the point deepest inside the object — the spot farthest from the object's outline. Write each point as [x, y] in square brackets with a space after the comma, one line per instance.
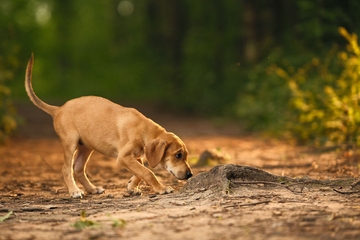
[93, 123]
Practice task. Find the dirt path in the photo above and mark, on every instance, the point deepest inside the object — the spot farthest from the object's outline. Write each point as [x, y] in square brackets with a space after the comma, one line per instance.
[31, 186]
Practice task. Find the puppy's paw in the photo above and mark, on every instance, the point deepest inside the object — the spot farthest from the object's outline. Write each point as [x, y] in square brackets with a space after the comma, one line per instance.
[169, 189]
[77, 194]
[97, 190]
[134, 192]
[100, 190]
[166, 190]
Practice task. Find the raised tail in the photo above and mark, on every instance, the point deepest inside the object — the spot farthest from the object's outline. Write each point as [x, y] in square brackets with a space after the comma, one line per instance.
[30, 92]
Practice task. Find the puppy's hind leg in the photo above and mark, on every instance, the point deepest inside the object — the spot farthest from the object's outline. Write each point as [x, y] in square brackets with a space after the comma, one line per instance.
[82, 157]
[67, 170]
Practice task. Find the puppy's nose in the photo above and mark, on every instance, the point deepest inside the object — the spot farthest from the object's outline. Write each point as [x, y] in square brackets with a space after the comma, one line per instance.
[189, 175]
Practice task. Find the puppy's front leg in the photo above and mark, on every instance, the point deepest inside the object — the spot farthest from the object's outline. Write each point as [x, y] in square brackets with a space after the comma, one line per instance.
[133, 184]
[141, 172]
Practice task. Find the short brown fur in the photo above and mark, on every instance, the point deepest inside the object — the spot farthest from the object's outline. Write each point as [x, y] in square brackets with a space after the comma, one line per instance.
[93, 123]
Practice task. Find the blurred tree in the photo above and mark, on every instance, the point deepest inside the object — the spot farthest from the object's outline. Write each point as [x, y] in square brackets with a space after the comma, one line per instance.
[208, 57]
[63, 19]
[9, 50]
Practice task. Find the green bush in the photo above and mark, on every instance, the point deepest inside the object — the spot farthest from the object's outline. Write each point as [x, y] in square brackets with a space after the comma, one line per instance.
[324, 106]
[8, 121]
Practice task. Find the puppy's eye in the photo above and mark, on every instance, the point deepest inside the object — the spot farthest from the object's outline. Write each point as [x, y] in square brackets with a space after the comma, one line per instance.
[178, 155]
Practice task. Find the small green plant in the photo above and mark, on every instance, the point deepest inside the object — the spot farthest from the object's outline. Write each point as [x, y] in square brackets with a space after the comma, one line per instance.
[117, 222]
[326, 96]
[120, 223]
[6, 216]
[83, 222]
[228, 189]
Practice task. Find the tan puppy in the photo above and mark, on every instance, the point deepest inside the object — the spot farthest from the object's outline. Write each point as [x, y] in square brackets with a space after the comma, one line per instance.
[93, 123]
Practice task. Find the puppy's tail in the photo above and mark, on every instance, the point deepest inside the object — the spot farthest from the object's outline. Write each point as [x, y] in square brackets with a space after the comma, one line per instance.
[30, 92]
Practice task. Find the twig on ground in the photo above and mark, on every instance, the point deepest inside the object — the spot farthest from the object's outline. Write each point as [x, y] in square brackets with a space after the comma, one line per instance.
[287, 186]
[346, 192]
[49, 165]
[276, 184]
[247, 204]
[355, 183]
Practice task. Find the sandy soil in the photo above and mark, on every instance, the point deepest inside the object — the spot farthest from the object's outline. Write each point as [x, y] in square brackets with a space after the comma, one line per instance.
[32, 188]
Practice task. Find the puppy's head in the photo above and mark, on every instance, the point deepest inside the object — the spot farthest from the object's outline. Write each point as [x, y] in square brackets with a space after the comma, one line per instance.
[169, 152]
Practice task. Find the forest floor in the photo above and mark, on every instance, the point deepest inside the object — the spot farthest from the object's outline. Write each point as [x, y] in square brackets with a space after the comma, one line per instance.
[35, 204]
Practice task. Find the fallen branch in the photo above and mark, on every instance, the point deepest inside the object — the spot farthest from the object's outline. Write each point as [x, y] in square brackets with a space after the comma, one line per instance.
[355, 183]
[275, 184]
[346, 192]
[247, 204]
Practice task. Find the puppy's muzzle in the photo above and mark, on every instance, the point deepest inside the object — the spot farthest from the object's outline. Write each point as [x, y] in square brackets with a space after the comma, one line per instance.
[189, 174]
[182, 175]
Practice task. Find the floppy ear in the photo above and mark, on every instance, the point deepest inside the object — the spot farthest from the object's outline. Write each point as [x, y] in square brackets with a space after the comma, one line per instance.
[154, 151]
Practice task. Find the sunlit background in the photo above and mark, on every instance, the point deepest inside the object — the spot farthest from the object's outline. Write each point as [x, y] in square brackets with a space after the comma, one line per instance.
[212, 58]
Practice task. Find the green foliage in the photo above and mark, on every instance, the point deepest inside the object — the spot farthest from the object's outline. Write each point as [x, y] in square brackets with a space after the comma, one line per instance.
[8, 118]
[83, 222]
[12, 26]
[325, 96]
[261, 100]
